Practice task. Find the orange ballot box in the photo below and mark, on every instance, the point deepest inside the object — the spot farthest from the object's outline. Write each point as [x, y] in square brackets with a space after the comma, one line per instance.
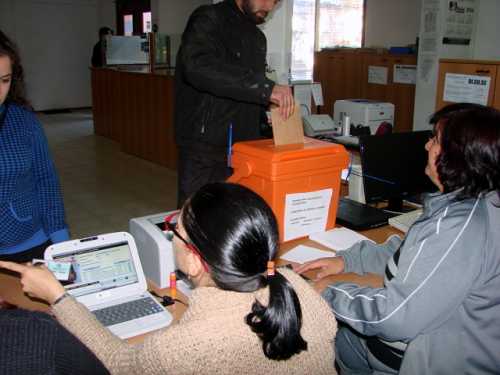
[301, 182]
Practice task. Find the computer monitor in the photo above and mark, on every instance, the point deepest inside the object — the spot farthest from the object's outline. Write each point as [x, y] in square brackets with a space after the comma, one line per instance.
[393, 167]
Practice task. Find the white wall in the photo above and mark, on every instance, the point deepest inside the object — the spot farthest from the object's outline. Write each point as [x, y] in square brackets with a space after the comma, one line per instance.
[278, 31]
[425, 93]
[55, 38]
[171, 17]
[106, 14]
[487, 42]
[391, 22]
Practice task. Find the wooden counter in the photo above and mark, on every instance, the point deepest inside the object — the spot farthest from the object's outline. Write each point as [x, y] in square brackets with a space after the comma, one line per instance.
[136, 109]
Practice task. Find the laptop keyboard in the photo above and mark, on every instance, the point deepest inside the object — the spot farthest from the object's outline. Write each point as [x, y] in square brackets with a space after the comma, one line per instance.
[360, 216]
[127, 311]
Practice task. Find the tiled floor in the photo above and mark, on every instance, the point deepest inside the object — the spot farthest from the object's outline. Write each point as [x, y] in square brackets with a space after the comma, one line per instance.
[103, 187]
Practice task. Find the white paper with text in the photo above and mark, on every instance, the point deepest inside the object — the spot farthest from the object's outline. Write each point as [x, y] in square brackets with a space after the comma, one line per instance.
[306, 213]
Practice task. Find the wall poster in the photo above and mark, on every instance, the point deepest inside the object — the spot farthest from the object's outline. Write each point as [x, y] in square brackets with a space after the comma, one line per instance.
[460, 22]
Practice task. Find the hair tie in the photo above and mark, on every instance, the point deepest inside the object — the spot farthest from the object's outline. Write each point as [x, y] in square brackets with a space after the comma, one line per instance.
[270, 268]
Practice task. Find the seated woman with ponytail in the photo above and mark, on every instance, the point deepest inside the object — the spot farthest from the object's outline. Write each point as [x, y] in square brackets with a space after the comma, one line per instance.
[244, 316]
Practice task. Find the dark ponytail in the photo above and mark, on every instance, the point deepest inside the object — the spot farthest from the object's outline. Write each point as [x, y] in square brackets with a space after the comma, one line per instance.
[278, 324]
[236, 234]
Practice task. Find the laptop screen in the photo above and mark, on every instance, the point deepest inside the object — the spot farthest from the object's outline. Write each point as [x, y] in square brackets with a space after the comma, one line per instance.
[101, 268]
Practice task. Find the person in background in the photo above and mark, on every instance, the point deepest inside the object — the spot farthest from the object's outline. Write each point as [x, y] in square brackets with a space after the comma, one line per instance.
[244, 316]
[439, 309]
[31, 206]
[99, 50]
[34, 343]
[221, 88]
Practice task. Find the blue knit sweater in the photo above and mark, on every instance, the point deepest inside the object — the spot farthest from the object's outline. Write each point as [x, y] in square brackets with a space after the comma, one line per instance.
[31, 207]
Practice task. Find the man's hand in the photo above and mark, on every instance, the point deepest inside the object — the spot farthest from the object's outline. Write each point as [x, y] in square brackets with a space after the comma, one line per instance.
[37, 281]
[325, 266]
[283, 98]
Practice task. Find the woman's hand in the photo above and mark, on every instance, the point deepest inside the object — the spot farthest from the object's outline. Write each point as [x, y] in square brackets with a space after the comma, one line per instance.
[325, 266]
[37, 281]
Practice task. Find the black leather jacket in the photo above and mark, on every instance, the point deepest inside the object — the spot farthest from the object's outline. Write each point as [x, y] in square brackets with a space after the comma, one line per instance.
[220, 78]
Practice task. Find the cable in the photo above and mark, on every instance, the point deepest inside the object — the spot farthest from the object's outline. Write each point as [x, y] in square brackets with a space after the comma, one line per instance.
[308, 110]
[167, 300]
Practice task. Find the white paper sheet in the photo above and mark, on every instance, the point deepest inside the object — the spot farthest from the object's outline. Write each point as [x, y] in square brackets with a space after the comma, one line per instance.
[317, 92]
[306, 213]
[426, 67]
[377, 74]
[460, 22]
[338, 238]
[302, 254]
[302, 94]
[466, 88]
[405, 74]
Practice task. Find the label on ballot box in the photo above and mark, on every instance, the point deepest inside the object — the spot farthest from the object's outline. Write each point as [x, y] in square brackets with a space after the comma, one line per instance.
[306, 213]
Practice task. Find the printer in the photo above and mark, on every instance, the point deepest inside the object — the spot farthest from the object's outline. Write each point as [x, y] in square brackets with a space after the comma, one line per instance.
[364, 112]
[155, 251]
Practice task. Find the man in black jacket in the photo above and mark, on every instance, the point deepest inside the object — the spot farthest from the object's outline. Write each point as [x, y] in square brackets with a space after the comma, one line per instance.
[220, 84]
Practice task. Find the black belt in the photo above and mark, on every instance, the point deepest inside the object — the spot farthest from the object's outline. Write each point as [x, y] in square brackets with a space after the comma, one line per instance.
[386, 354]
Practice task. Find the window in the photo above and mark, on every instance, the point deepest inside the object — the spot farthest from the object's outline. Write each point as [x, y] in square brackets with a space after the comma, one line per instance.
[128, 25]
[146, 22]
[340, 23]
[133, 17]
[323, 24]
[303, 30]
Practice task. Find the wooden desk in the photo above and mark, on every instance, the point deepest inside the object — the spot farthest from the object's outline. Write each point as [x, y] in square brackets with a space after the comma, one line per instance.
[379, 235]
[11, 290]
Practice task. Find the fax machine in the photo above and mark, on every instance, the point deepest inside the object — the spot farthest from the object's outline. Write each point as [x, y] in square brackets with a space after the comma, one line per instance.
[155, 251]
[320, 125]
[364, 112]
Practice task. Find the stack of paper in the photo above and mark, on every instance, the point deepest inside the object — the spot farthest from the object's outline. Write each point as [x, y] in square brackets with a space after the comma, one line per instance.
[338, 238]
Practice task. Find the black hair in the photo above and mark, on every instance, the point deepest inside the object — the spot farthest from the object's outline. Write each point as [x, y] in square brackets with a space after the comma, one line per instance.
[103, 31]
[16, 92]
[469, 136]
[236, 234]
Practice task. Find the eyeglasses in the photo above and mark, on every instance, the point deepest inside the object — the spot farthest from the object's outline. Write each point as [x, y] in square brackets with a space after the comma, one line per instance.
[171, 226]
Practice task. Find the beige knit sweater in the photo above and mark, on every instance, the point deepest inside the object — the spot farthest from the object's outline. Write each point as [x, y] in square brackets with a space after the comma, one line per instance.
[211, 337]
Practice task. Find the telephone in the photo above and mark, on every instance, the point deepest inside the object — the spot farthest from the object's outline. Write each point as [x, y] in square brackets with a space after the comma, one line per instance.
[315, 125]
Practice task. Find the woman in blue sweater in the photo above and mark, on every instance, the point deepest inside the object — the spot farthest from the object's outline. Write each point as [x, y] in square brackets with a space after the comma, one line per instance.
[31, 207]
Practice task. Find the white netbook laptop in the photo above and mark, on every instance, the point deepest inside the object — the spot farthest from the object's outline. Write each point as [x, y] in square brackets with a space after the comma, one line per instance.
[107, 277]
